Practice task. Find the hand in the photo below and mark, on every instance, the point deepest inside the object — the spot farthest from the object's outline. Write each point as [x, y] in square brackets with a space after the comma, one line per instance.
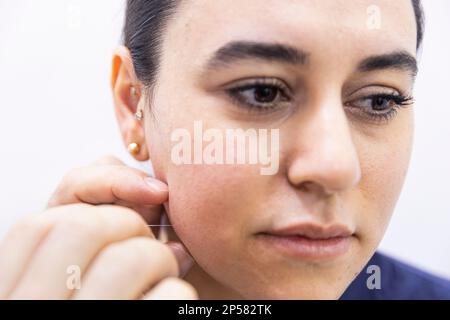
[110, 244]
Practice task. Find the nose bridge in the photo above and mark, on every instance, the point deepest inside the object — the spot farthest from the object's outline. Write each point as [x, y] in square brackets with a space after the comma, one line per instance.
[328, 156]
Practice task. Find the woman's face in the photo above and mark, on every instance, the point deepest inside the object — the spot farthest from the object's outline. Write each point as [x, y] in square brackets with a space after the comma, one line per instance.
[343, 154]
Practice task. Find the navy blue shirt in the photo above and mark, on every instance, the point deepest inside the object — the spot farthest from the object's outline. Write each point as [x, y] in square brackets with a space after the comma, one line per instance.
[398, 281]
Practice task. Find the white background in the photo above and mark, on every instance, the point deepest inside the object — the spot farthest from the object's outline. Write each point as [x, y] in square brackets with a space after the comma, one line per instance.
[56, 113]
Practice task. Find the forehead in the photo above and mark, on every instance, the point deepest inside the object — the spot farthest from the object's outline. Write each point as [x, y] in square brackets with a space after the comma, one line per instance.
[325, 27]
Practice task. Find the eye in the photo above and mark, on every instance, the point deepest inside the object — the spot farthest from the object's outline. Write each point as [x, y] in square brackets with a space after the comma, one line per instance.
[262, 94]
[377, 103]
[381, 106]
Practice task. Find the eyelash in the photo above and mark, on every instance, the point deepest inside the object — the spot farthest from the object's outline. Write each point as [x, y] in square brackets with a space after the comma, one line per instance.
[396, 101]
[236, 94]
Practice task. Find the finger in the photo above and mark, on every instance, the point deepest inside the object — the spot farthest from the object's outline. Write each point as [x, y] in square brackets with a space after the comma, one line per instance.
[172, 289]
[150, 213]
[184, 259]
[126, 269]
[144, 210]
[78, 234]
[109, 184]
[17, 247]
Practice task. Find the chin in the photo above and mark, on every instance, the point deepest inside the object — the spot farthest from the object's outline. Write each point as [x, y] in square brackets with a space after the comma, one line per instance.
[307, 285]
[301, 292]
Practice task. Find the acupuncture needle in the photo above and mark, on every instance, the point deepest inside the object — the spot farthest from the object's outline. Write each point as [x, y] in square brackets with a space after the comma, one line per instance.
[162, 234]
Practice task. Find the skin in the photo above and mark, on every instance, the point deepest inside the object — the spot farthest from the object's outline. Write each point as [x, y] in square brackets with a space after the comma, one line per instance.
[333, 164]
[116, 252]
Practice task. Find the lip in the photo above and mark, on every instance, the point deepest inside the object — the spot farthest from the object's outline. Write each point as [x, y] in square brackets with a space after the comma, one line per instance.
[309, 241]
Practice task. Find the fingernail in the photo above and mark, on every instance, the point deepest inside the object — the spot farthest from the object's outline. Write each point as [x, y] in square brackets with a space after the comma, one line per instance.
[155, 184]
[185, 261]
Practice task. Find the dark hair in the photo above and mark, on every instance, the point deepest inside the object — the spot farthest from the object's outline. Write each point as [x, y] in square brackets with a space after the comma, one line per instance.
[145, 21]
[420, 21]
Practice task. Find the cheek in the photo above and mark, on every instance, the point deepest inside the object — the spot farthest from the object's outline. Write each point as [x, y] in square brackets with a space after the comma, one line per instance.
[384, 167]
[209, 208]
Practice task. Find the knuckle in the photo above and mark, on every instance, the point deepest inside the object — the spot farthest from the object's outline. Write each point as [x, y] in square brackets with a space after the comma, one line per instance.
[156, 247]
[164, 253]
[124, 172]
[129, 217]
[80, 227]
[28, 221]
[31, 223]
[97, 221]
[123, 259]
[119, 210]
[68, 178]
[140, 253]
[150, 250]
[117, 252]
[63, 188]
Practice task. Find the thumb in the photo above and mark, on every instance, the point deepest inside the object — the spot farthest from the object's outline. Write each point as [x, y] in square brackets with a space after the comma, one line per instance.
[184, 259]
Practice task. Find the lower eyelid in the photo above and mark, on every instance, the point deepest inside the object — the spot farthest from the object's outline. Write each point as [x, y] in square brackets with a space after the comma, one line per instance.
[374, 117]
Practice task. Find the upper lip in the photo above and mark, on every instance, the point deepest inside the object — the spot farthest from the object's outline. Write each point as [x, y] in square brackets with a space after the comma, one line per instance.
[313, 231]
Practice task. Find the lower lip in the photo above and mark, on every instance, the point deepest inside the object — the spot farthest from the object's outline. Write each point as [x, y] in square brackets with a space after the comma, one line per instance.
[307, 248]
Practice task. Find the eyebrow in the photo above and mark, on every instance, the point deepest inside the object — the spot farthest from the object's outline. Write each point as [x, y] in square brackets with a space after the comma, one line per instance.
[400, 60]
[236, 51]
[242, 50]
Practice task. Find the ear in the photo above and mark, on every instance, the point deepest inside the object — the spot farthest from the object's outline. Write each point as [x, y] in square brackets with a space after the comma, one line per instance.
[128, 99]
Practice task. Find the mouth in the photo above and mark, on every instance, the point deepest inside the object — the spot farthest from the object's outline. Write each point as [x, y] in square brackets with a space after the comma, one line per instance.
[309, 241]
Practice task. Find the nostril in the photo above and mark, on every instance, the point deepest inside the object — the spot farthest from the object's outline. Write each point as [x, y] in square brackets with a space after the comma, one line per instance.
[305, 186]
[312, 187]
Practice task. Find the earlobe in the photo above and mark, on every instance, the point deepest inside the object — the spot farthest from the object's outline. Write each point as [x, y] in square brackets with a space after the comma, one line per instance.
[127, 100]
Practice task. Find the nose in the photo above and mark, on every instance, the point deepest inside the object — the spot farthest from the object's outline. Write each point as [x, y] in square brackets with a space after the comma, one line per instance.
[325, 156]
